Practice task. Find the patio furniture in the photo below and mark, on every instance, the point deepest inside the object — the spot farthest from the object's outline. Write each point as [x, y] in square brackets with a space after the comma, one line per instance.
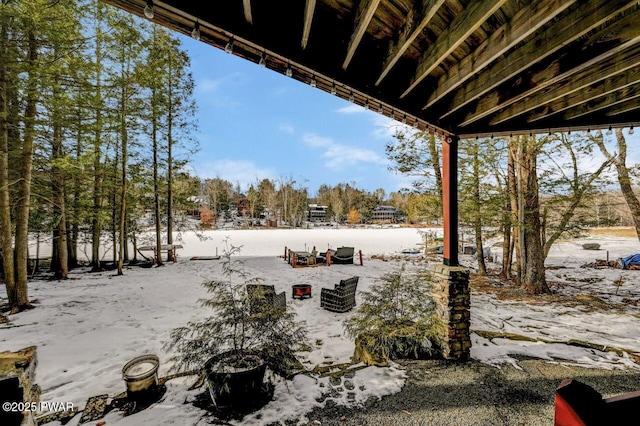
[300, 258]
[301, 291]
[264, 297]
[342, 255]
[342, 297]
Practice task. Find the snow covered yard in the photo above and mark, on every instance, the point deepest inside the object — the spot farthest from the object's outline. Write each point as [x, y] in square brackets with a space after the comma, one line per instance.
[88, 327]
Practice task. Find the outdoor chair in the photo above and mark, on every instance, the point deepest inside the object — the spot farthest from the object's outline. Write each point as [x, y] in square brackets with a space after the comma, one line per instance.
[264, 297]
[342, 255]
[342, 298]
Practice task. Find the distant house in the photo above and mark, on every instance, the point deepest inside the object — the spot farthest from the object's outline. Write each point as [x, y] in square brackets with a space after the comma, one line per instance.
[197, 204]
[316, 213]
[384, 214]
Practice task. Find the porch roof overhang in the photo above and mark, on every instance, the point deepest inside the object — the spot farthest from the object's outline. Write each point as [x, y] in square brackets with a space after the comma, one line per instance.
[457, 67]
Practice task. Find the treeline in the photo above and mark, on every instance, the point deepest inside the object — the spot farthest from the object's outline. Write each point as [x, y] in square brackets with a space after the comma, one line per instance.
[96, 125]
[532, 189]
[288, 202]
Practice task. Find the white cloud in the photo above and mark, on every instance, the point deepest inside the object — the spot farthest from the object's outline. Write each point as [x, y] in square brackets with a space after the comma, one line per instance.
[208, 85]
[385, 127]
[235, 171]
[287, 128]
[342, 156]
[351, 109]
[339, 156]
[316, 141]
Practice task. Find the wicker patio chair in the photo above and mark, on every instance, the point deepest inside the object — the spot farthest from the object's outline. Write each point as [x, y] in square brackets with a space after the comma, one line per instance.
[342, 298]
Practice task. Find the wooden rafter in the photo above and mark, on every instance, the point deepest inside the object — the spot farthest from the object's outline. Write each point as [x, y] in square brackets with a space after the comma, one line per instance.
[473, 16]
[366, 10]
[604, 102]
[416, 21]
[630, 36]
[574, 25]
[582, 97]
[309, 10]
[246, 5]
[487, 67]
[524, 23]
[623, 108]
[615, 72]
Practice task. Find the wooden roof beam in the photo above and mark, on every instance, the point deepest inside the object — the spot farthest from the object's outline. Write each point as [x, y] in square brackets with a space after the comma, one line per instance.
[471, 18]
[366, 10]
[586, 95]
[309, 10]
[623, 108]
[246, 5]
[574, 25]
[524, 23]
[626, 30]
[417, 20]
[604, 102]
[618, 70]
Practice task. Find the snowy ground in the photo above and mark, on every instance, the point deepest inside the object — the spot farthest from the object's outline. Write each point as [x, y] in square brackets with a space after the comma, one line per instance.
[88, 327]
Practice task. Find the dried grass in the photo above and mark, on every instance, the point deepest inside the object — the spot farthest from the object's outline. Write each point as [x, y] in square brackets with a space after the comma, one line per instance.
[616, 231]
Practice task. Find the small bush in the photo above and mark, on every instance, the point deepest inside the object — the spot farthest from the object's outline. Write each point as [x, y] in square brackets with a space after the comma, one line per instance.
[236, 326]
[396, 319]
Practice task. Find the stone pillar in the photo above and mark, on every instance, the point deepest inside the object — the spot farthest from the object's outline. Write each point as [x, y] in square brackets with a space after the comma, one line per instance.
[452, 298]
[17, 375]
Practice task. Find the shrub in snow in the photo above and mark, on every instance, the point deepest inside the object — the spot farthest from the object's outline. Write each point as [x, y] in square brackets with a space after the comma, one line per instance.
[238, 327]
[396, 319]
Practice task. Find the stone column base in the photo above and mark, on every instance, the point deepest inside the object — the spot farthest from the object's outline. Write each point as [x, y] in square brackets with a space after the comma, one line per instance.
[17, 375]
[451, 296]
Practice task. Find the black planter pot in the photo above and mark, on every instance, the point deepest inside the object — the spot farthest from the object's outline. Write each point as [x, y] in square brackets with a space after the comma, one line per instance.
[235, 386]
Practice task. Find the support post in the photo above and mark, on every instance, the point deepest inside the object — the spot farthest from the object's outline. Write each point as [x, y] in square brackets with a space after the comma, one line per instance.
[450, 199]
[452, 299]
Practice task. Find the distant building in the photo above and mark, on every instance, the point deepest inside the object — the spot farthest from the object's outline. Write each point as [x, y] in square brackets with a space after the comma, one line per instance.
[384, 214]
[316, 213]
[197, 204]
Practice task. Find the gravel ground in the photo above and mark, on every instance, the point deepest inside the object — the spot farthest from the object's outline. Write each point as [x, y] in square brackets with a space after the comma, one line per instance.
[441, 393]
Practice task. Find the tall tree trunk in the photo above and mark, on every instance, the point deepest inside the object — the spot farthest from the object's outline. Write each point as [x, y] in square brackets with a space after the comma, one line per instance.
[156, 185]
[5, 199]
[114, 205]
[513, 202]
[533, 274]
[624, 180]
[477, 205]
[74, 221]
[60, 260]
[170, 164]
[24, 187]
[122, 237]
[435, 163]
[96, 211]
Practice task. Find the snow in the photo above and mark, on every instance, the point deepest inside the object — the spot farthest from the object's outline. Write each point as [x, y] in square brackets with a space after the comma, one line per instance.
[86, 328]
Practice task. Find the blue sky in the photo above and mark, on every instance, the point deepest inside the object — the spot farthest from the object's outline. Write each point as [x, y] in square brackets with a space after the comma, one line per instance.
[256, 123]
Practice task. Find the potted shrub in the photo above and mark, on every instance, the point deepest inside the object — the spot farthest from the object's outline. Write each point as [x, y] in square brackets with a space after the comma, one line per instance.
[243, 336]
[396, 319]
